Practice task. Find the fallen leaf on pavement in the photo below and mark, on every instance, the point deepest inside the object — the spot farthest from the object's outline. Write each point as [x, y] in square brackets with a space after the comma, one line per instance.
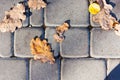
[36, 4]
[41, 50]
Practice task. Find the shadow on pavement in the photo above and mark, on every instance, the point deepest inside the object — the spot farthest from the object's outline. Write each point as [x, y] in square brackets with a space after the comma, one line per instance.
[114, 74]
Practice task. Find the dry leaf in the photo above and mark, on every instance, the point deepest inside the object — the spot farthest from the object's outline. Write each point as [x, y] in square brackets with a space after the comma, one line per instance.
[36, 4]
[103, 17]
[41, 50]
[59, 37]
[13, 19]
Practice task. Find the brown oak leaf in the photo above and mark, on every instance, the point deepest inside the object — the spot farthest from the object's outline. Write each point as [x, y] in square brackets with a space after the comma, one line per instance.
[13, 18]
[58, 36]
[41, 50]
[36, 4]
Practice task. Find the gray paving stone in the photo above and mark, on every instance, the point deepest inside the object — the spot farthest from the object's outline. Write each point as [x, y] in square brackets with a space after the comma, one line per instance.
[104, 44]
[83, 69]
[55, 46]
[58, 11]
[22, 41]
[13, 69]
[76, 43]
[6, 44]
[5, 5]
[44, 71]
[36, 19]
[113, 69]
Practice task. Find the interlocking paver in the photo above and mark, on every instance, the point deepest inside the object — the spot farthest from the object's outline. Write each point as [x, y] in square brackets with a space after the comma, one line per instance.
[58, 11]
[104, 44]
[76, 43]
[13, 69]
[83, 69]
[36, 19]
[22, 41]
[40, 71]
[5, 5]
[113, 69]
[55, 46]
[6, 44]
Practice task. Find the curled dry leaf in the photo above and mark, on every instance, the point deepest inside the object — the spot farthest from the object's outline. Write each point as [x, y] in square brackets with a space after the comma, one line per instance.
[103, 17]
[59, 37]
[36, 4]
[41, 50]
[13, 19]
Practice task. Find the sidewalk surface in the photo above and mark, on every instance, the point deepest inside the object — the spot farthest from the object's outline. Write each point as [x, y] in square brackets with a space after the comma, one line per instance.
[85, 54]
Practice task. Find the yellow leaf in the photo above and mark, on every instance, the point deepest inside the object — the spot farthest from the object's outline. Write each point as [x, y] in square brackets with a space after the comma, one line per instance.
[94, 8]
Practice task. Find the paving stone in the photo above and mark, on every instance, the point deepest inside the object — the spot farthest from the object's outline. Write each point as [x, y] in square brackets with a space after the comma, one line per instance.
[113, 69]
[22, 41]
[6, 44]
[104, 44]
[36, 19]
[5, 5]
[58, 11]
[13, 69]
[44, 71]
[55, 46]
[76, 43]
[83, 69]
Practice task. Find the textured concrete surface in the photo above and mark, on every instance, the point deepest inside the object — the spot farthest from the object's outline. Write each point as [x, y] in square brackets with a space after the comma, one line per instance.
[85, 54]
[104, 44]
[6, 44]
[83, 69]
[13, 69]
[36, 18]
[76, 43]
[58, 11]
[39, 71]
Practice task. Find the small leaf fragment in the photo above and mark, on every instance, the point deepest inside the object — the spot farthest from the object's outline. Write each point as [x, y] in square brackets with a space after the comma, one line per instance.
[36, 4]
[58, 36]
[41, 50]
